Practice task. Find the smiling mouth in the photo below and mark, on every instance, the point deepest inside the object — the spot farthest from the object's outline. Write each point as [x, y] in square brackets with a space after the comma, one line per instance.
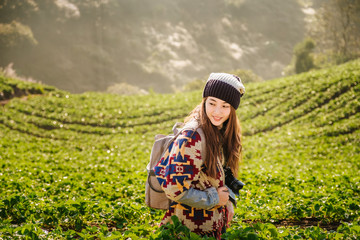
[217, 118]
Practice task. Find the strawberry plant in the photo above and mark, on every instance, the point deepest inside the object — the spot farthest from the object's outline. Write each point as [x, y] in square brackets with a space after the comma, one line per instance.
[73, 165]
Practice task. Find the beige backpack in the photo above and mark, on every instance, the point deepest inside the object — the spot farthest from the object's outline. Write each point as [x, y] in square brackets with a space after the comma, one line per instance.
[154, 195]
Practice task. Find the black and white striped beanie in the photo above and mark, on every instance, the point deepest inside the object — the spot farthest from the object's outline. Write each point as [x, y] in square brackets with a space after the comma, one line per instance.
[226, 87]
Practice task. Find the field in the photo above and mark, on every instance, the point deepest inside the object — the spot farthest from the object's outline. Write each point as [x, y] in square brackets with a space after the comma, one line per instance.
[73, 165]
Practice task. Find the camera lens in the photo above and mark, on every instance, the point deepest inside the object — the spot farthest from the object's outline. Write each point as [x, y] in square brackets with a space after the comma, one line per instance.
[237, 185]
[230, 181]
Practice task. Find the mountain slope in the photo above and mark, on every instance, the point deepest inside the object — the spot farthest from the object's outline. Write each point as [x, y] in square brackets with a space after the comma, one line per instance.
[89, 46]
[74, 164]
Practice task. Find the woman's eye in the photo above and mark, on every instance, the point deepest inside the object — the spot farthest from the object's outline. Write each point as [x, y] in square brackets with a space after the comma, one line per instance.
[226, 106]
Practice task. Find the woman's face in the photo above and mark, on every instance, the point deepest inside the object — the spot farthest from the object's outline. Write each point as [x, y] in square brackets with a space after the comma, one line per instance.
[217, 110]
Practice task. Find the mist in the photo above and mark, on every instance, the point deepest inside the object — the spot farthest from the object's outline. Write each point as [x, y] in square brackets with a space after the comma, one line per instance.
[157, 45]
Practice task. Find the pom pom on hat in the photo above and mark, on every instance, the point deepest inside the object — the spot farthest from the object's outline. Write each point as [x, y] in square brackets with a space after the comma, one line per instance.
[226, 87]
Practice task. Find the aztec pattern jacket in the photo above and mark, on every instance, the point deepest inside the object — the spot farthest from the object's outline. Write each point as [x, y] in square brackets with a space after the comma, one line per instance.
[193, 194]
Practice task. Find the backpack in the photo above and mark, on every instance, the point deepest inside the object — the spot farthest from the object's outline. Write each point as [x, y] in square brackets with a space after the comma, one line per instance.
[154, 195]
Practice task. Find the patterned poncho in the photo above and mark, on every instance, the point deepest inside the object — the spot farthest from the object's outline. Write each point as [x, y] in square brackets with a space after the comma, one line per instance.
[182, 168]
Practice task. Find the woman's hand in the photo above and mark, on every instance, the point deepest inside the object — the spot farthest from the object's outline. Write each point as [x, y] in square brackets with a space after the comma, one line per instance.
[223, 193]
[231, 211]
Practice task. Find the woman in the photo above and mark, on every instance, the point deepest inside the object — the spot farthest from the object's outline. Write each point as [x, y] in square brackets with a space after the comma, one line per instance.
[192, 173]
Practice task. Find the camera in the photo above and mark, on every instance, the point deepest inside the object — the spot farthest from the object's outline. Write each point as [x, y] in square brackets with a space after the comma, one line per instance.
[230, 181]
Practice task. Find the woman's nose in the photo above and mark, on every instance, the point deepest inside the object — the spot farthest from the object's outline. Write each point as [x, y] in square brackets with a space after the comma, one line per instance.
[217, 110]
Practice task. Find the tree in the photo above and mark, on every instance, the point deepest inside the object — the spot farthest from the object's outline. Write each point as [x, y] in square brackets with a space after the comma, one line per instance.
[17, 10]
[16, 34]
[247, 75]
[303, 58]
[337, 29]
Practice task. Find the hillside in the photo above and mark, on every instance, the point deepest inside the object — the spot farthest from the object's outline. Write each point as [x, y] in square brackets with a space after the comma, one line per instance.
[83, 46]
[73, 165]
[10, 88]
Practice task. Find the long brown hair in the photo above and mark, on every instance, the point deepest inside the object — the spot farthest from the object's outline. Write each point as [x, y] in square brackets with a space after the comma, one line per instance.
[229, 138]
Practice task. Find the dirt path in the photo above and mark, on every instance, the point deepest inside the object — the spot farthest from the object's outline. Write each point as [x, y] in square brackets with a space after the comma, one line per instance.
[303, 223]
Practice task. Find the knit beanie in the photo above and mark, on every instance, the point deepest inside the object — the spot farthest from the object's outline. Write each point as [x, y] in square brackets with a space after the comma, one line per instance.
[226, 87]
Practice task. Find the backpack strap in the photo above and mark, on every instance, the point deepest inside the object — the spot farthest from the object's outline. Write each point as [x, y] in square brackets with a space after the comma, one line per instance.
[176, 132]
[152, 174]
[203, 143]
[175, 127]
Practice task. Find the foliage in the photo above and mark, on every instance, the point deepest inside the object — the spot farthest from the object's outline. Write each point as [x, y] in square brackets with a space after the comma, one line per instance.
[17, 10]
[336, 30]
[10, 87]
[194, 85]
[73, 165]
[90, 45]
[176, 230]
[126, 89]
[303, 59]
[17, 35]
[247, 75]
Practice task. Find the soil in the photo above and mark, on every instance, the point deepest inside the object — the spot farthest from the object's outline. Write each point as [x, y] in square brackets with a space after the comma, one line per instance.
[303, 223]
